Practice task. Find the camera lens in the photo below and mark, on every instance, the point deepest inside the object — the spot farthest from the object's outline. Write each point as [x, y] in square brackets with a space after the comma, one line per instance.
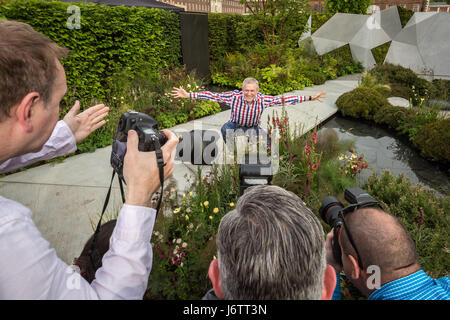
[329, 211]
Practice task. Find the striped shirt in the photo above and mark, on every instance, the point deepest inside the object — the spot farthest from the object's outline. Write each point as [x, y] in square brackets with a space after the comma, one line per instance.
[243, 113]
[417, 286]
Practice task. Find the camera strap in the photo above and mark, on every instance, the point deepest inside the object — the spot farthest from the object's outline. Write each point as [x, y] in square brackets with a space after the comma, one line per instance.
[160, 162]
[94, 255]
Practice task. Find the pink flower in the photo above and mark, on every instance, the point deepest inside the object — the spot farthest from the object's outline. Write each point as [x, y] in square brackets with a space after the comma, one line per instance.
[315, 166]
[307, 149]
[314, 138]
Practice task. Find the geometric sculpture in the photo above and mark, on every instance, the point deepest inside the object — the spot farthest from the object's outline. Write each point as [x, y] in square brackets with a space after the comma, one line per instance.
[423, 45]
[361, 32]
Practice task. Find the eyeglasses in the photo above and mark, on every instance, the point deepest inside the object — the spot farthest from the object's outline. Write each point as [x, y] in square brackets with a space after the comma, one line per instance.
[347, 210]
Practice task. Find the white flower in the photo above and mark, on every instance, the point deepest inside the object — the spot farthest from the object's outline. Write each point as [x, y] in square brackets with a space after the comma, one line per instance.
[184, 245]
[178, 241]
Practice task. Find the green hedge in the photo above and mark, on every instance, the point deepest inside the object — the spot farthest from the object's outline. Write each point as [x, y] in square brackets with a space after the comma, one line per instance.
[361, 103]
[231, 33]
[432, 140]
[236, 33]
[110, 39]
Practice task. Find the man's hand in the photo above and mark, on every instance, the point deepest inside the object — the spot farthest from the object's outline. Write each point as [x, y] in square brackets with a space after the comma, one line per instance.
[84, 123]
[318, 96]
[179, 93]
[140, 170]
[330, 257]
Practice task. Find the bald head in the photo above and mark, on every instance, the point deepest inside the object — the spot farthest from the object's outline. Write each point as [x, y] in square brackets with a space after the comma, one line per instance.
[381, 240]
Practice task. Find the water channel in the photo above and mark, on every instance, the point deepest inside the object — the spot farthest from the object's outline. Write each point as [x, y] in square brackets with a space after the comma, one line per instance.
[384, 150]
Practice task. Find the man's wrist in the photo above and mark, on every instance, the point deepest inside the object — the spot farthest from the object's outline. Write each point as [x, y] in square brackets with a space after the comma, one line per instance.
[137, 197]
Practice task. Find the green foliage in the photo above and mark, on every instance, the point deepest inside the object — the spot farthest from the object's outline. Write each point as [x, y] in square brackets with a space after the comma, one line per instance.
[421, 124]
[405, 15]
[432, 140]
[180, 272]
[422, 212]
[281, 21]
[361, 103]
[149, 92]
[403, 82]
[392, 116]
[341, 61]
[319, 19]
[440, 89]
[380, 52]
[231, 33]
[297, 68]
[111, 39]
[348, 6]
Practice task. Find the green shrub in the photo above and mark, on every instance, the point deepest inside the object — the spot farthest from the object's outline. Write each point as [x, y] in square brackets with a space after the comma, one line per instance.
[400, 90]
[405, 15]
[422, 212]
[361, 103]
[403, 82]
[392, 116]
[432, 140]
[316, 77]
[380, 52]
[440, 89]
[341, 60]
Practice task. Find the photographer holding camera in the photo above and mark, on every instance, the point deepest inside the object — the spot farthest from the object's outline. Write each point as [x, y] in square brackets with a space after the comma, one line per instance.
[376, 252]
[33, 83]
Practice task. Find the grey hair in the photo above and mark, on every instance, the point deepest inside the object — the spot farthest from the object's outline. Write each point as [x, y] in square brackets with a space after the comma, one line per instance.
[271, 247]
[248, 81]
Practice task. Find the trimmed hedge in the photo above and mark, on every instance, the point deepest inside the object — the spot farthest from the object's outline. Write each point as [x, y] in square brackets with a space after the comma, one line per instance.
[110, 39]
[361, 103]
[432, 139]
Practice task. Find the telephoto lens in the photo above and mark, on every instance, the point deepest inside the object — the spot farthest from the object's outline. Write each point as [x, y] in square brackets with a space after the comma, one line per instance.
[329, 211]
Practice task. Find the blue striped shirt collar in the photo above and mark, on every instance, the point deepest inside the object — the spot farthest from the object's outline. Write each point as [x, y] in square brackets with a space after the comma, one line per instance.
[403, 288]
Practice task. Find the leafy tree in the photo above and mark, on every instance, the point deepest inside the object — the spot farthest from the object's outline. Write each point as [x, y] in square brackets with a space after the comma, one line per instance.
[348, 6]
[279, 19]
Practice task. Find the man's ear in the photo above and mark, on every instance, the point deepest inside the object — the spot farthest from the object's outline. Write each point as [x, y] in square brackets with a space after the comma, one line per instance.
[214, 275]
[356, 271]
[23, 111]
[329, 283]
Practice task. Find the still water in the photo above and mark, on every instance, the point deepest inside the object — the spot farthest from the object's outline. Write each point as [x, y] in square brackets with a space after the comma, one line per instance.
[385, 151]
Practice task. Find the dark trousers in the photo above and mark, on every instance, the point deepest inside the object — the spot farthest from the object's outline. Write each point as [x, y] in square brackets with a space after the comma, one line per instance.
[231, 127]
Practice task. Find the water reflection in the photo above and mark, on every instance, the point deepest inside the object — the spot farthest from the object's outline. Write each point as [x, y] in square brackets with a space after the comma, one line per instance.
[385, 151]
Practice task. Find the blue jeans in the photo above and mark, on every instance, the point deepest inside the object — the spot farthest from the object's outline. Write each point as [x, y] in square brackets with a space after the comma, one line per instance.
[231, 126]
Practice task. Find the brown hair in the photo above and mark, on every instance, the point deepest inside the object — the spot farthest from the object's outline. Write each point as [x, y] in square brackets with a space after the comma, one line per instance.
[27, 64]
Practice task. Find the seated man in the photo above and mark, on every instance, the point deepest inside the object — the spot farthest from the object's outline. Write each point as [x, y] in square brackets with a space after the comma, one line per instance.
[271, 247]
[382, 242]
[247, 105]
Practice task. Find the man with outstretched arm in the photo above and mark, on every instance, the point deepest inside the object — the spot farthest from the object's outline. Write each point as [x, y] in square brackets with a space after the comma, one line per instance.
[246, 106]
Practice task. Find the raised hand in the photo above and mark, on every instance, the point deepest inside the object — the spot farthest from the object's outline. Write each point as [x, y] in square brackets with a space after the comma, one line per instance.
[179, 93]
[318, 96]
[84, 123]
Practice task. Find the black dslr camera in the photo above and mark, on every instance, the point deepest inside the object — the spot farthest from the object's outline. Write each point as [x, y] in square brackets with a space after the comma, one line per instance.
[150, 139]
[333, 212]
